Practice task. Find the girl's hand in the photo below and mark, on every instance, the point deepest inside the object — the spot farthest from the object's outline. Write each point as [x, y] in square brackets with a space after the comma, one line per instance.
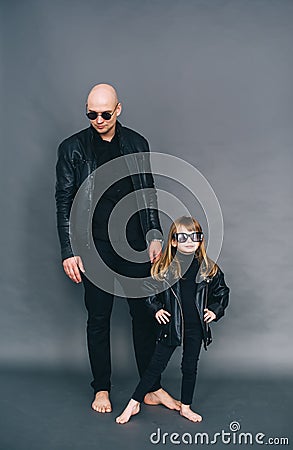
[209, 316]
[162, 316]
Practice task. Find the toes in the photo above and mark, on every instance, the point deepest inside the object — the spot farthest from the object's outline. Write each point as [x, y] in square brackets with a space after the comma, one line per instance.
[120, 420]
[195, 418]
[101, 408]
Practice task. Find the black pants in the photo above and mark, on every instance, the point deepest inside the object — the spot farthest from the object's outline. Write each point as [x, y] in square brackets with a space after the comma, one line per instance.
[99, 306]
[191, 349]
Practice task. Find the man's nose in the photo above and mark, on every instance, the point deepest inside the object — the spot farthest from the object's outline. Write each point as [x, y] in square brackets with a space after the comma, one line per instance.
[100, 119]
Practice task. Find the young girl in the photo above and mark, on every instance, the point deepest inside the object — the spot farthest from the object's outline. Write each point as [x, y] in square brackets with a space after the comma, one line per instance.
[192, 293]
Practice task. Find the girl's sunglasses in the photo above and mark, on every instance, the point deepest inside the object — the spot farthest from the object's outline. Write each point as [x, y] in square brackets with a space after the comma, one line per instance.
[195, 236]
[106, 115]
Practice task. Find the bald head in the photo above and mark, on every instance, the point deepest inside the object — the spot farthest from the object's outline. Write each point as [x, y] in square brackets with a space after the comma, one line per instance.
[103, 93]
[103, 98]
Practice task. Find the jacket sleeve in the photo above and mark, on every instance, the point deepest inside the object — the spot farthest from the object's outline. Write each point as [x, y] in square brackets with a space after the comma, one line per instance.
[154, 230]
[64, 195]
[154, 299]
[218, 296]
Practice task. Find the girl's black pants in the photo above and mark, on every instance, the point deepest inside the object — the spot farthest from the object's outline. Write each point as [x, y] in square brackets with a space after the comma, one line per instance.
[191, 349]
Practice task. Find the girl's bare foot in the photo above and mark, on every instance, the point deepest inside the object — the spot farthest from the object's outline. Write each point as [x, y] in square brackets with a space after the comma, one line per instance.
[102, 402]
[161, 397]
[131, 409]
[185, 411]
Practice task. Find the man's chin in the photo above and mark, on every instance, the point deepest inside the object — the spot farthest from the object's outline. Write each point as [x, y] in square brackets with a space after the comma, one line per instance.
[104, 130]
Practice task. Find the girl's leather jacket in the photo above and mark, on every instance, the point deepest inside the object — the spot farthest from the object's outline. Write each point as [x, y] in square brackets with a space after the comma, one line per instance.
[76, 164]
[211, 293]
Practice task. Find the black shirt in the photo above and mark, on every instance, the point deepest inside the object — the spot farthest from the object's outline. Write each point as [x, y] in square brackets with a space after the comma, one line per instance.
[106, 151]
[188, 289]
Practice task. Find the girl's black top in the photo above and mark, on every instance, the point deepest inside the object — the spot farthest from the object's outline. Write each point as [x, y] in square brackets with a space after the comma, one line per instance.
[188, 289]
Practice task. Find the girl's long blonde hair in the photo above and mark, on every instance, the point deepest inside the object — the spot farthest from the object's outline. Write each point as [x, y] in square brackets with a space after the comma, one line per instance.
[169, 260]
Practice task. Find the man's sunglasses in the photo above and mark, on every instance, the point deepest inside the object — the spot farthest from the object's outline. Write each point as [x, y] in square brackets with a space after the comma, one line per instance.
[106, 115]
[195, 236]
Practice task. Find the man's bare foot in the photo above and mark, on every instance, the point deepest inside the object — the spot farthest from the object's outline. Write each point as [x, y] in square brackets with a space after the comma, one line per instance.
[161, 397]
[102, 402]
[185, 411]
[131, 409]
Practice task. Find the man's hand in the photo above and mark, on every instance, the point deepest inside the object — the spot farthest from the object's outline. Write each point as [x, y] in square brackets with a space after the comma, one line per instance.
[209, 315]
[72, 266]
[162, 316]
[155, 250]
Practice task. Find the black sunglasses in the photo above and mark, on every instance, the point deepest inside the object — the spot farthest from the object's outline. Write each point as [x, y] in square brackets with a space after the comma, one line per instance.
[106, 115]
[196, 236]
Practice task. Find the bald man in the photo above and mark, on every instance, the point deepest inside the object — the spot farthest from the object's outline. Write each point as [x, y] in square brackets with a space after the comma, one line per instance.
[78, 156]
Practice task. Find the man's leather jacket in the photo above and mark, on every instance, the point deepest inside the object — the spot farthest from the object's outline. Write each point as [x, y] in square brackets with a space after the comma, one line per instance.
[76, 162]
[211, 293]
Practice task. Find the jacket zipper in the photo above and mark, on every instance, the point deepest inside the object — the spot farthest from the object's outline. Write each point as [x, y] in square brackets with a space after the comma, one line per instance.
[206, 305]
[206, 302]
[182, 319]
[198, 311]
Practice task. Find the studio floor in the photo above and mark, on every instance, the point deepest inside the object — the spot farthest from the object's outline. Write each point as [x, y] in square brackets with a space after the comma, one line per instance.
[50, 410]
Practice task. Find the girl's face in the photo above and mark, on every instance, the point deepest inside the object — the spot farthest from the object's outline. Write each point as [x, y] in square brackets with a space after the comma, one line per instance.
[187, 247]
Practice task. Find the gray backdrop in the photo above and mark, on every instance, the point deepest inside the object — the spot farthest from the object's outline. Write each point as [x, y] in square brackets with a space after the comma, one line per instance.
[209, 81]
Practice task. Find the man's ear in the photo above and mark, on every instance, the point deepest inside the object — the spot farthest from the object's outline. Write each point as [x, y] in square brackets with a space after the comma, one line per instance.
[119, 109]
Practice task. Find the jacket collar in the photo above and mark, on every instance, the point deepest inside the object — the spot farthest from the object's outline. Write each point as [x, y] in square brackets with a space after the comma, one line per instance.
[200, 280]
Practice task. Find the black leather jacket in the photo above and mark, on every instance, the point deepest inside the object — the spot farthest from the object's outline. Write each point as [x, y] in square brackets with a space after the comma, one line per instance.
[211, 293]
[76, 162]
